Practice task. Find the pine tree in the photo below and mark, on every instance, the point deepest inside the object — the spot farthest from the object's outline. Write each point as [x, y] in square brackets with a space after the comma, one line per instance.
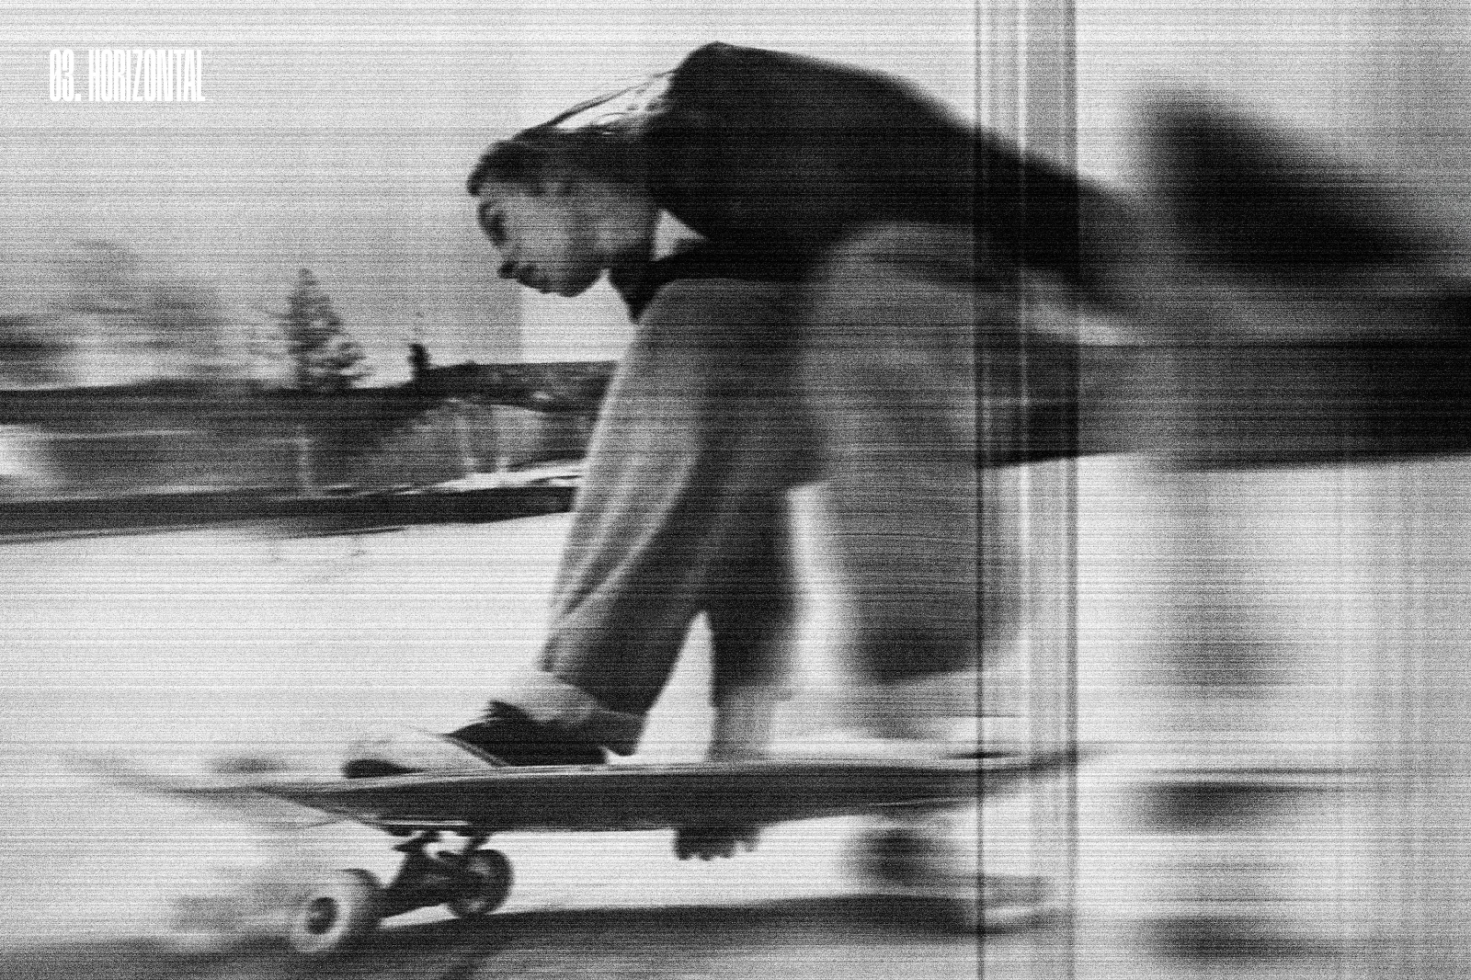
[324, 359]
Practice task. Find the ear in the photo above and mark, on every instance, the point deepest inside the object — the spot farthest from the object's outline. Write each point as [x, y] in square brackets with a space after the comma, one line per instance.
[556, 179]
[560, 185]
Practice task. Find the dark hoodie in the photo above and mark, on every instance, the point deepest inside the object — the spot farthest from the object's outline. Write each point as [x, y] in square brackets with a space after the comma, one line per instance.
[774, 158]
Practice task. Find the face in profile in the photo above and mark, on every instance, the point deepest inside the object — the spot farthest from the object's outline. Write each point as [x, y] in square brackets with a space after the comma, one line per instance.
[546, 242]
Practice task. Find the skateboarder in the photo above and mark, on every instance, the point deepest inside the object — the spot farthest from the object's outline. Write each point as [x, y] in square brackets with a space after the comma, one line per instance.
[796, 242]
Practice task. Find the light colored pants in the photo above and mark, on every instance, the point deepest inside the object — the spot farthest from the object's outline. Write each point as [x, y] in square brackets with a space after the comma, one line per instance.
[731, 394]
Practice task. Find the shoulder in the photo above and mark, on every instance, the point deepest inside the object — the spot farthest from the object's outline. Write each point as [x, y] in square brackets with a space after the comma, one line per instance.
[752, 77]
[816, 89]
[731, 58]
[717, 55]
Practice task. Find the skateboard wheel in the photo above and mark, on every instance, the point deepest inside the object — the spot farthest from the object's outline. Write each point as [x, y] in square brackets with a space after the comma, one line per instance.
[340, 910]
[491, 871]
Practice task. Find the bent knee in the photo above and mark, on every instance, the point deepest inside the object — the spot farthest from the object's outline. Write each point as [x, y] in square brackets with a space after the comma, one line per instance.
[716, 323]
[895, 290]
[940, 254]
[714, 305]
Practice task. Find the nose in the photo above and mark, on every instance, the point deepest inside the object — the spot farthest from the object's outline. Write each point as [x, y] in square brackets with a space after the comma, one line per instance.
[508, 270]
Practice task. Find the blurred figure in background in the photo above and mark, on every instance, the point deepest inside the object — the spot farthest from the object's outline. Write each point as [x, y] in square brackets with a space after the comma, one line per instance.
[1300, 397]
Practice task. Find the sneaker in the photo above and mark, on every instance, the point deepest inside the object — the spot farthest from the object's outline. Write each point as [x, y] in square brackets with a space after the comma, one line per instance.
[504, 736]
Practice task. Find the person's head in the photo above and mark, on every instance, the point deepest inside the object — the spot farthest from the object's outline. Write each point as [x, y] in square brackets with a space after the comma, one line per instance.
[563, 206]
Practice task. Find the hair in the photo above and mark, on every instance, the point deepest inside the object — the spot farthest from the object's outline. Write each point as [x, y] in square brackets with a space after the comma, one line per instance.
[544, 153]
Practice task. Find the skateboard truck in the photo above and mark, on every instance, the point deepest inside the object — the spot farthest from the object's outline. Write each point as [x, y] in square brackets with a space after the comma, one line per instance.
[426, 879]
[346, 907]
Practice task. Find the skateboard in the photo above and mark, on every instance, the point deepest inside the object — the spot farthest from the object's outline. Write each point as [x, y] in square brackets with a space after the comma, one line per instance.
[472, 881]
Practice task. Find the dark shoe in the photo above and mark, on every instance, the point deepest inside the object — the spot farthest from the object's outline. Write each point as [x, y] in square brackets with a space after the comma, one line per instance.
[509, 736]
[504, 736]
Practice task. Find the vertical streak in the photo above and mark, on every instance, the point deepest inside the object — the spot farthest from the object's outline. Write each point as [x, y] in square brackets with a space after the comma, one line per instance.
[1047, 108]
[984, 92]
[1070, 647]
[1024, 64]
[1020, 38]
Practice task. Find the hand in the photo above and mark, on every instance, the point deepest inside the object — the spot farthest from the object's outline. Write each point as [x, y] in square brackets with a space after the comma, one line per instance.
[706, 841]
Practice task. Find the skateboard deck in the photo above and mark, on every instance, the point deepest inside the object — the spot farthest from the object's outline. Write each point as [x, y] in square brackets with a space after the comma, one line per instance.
[655, 796]
[472, 882]
[650, 796]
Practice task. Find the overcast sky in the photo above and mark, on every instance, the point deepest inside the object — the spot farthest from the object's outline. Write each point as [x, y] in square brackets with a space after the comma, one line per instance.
[337, 135]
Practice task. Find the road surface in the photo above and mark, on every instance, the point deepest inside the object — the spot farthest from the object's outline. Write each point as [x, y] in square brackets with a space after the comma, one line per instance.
[177, 649]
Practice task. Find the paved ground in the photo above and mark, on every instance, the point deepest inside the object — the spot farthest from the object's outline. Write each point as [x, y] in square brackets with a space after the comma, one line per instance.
[817, 938]
[178, 648]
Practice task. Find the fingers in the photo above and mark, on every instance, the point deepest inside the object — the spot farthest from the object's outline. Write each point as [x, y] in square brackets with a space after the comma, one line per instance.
[706, 843]
[703, 847]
